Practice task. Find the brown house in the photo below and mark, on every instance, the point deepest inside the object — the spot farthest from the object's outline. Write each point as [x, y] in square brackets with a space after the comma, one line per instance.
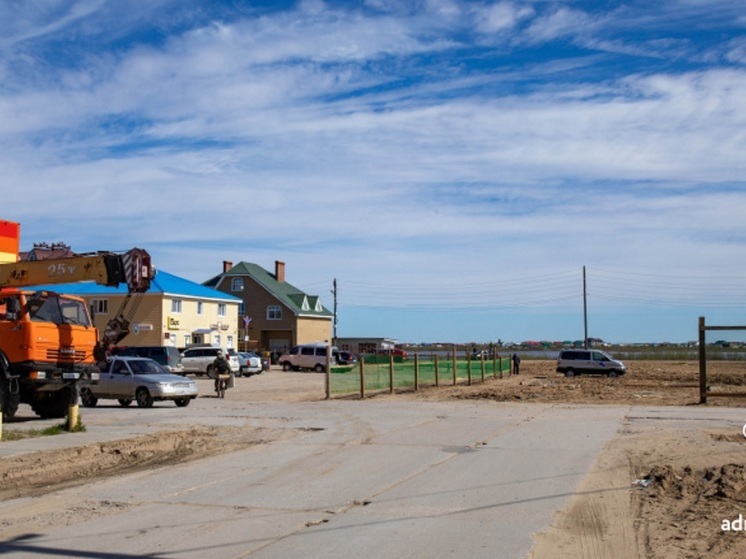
[274, 315]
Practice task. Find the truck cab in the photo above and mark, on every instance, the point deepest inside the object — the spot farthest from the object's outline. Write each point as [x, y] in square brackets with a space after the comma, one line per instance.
[48, 344]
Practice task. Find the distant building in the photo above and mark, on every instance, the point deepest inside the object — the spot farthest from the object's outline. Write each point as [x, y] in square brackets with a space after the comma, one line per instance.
[361, 346]
[274, 315]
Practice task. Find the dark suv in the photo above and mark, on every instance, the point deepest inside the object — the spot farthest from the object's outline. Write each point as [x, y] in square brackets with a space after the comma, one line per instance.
[167, 356]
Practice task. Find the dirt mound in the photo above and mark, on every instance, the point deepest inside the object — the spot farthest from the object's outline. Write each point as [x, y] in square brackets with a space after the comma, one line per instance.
[689, 512]
[658, 383]
[44, 472]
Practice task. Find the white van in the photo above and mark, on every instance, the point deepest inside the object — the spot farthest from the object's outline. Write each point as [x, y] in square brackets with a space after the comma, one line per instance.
[577, 361]
[307, 357]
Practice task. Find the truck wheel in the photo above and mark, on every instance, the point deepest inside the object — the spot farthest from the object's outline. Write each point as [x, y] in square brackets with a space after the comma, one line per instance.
[286, 366]
[8, 401]
[569, 373]
[87, 397]
[319, 368]
[144, 399]
[54, 405]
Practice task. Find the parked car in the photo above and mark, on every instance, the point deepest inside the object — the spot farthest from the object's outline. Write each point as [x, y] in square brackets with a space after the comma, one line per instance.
[166, 356]
[346, 358]
[138, 379]
[249, 363]
[198, 360]
[592, 361]
[306, 357]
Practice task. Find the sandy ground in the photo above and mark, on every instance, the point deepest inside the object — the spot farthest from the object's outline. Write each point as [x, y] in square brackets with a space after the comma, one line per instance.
[657, 493]
[652, 494]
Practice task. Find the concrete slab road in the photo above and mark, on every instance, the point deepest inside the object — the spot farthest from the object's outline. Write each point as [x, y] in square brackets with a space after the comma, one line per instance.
[376, 478]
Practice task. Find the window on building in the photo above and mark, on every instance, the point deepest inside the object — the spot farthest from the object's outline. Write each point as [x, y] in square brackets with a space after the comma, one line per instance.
[199, 307]
[216, 340]
[176, 305]
[274, 312]
[187, 340]
[222, 309]
[241, 309]
[237, 284]
[100, 306]
[229, 341]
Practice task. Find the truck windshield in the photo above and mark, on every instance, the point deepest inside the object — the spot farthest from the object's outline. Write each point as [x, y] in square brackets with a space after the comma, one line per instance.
[43, 307]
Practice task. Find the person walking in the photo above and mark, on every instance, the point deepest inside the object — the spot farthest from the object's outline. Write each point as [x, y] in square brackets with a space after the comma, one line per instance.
[516, 363]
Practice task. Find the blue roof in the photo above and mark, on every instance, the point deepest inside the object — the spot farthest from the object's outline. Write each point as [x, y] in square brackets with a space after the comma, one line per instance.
[164, 283]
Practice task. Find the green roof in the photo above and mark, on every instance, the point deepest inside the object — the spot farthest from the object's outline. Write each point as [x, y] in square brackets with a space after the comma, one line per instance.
[296, 300]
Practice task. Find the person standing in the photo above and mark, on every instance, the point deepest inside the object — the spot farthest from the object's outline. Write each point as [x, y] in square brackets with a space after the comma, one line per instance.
[516, 363]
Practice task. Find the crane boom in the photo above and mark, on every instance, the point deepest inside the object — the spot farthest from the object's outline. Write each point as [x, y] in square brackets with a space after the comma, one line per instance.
[105, 268]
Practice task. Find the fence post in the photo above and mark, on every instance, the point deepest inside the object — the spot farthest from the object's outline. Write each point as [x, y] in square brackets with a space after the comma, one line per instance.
[437, 374]
[416, 371]
[328, 375]
[702, 362]
[454, 365]
[494, 365]
[482, 356]
[391, 372]
[468, 366]
[500, 364]
[362, 377]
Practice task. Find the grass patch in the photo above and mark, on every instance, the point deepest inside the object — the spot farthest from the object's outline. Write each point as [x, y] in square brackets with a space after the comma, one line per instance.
[17, 435]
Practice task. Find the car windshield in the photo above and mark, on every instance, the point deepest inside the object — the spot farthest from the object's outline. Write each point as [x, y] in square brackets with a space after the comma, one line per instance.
[145, 367]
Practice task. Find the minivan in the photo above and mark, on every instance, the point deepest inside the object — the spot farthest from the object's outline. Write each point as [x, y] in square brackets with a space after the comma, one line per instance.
[166, 356]
[307, 357]
[591, 361]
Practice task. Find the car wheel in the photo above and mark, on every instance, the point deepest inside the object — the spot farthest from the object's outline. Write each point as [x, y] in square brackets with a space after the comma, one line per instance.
[286, 366]
[569, 373]
[612, 374]
[87, 398]
[144, 399]
[319, 368]
[182, 402]
[124, 402]
[211, 371]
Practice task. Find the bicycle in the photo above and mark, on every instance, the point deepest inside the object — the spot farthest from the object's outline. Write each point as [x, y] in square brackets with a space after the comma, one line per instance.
[221, 385]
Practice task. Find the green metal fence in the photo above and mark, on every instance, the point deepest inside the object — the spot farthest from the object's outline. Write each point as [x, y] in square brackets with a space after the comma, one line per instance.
[376, 373]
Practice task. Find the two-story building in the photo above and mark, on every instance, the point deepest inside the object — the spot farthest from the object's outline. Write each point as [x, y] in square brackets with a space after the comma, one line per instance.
[275, 315]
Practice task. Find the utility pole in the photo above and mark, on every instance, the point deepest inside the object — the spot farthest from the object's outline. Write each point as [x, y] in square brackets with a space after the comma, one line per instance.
[585, 313]
[334, 322]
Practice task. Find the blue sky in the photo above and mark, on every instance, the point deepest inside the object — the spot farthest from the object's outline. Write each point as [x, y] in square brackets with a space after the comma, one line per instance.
[453, 164]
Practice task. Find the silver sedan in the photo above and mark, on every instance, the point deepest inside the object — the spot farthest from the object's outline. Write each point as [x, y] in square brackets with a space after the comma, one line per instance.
[138, 379]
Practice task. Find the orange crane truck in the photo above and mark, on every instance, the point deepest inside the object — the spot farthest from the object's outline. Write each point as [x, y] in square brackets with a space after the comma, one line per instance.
[47, 340]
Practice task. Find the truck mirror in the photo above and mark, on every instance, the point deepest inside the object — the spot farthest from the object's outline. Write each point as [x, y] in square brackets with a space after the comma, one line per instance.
[13, 308]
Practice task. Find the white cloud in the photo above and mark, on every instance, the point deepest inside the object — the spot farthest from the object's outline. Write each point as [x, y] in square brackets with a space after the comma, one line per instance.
[501, 17]
[562, 22]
